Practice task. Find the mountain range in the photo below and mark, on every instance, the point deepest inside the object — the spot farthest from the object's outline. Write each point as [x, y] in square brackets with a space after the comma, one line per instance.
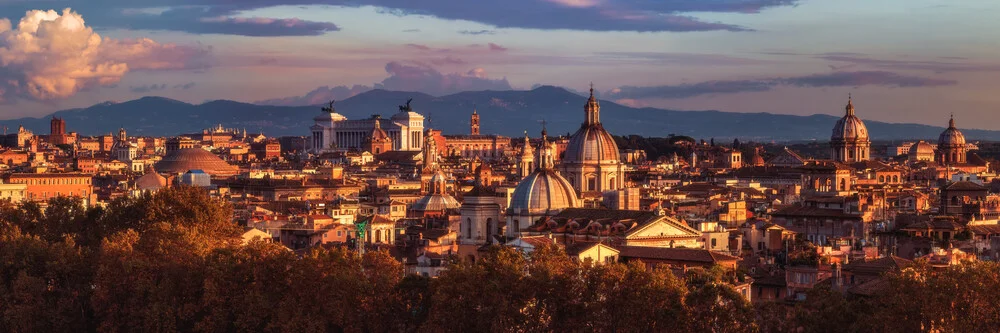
[502, 112]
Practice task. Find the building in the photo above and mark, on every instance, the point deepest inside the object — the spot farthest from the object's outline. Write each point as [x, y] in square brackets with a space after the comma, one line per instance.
[542, 193]
[43, 186]
[267, 150]
[332, 131]
[13, 192]
[378, 141]
[591, 160]
[180, 161]
[920, 152]
[850, 142]
[57, 133]
[123, 149]
[481, 219]
[951, 145]
[17, 140]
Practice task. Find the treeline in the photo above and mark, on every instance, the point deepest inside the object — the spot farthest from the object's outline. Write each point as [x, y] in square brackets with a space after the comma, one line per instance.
[174, 262]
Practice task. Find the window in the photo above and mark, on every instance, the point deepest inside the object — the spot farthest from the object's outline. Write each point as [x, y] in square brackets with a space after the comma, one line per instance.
[713, 243]
[468, 228]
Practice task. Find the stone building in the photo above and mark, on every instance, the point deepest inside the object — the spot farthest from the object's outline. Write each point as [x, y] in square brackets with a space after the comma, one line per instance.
[591, 161]
[333, 131]
[849, 141]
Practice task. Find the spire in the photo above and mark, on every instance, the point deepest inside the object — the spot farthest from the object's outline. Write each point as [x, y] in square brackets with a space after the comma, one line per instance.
[592, 111]
[850, 105]
[951, 121]
[545, 160]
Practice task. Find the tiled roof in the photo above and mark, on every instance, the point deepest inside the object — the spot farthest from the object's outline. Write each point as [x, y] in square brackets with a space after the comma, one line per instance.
[675, 254]
[796, 211]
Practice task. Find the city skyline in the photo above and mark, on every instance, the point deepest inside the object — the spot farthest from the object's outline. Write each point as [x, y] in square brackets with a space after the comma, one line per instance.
[785, 57]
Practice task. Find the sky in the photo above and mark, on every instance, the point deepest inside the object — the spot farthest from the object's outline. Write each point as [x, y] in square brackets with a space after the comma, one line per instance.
[900, 60]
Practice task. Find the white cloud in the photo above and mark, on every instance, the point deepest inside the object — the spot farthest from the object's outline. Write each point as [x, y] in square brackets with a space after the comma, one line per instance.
[52, 55]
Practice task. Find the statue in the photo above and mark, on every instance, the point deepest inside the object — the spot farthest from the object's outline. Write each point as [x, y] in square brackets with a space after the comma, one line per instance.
[405, 108]
[329, 107]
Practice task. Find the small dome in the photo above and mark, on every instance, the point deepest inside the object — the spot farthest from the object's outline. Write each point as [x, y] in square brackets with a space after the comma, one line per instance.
[542, 191]
[436, 202]
[182, 160]
[151, 181]
[850, 128]
[951, 136]
[921, 147]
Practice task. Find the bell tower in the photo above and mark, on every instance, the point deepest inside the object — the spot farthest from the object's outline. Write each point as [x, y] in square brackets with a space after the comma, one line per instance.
[474, 123]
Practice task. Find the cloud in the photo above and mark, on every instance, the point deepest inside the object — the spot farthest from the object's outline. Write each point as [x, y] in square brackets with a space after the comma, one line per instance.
[157, 87]
[854, 59]
[52, 55]
[148, 88]
[448, 60]
[411, 30]
[695, 59]
[402, 77]
[835, 79]
[478, 32]
[862, 78]
[426, 79]
[146, 54]
[205, 17]
[497, 48]
[318, 96]
[420, 47]
[223, 16]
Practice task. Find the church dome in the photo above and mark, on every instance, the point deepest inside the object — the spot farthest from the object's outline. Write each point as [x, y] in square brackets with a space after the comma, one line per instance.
[183, 160]
[951, 136]
[542, 191]
[436, 202]
[591, 143]
[921, 148]
[850, 128]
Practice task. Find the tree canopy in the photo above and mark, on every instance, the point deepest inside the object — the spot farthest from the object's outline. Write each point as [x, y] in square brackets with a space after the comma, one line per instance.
[173, 262]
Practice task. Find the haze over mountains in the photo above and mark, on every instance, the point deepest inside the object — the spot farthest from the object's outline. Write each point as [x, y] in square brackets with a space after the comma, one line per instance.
[503, 112]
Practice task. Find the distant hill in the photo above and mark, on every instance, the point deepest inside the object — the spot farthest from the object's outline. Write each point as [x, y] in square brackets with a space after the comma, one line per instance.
[503, 112]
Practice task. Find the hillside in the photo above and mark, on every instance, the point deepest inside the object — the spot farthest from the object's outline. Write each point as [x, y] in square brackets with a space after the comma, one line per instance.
[503, 112]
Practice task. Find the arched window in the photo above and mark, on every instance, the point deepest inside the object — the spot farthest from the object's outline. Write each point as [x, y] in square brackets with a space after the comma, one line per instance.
[881, 179]
[611, 183]
[843, 184]
[468, 228]
[378, 236]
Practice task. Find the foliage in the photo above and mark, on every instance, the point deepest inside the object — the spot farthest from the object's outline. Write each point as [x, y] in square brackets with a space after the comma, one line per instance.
[173, 261]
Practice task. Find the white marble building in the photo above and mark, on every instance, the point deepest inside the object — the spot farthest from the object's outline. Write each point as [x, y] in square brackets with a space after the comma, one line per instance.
[334, 132]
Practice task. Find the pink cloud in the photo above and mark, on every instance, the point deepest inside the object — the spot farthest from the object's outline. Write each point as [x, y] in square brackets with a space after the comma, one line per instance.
[497, 48]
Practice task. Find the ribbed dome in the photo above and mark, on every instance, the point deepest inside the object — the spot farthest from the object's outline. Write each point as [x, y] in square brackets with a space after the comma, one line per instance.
[542, 191]
[920, 148]
[182, 160]
[436, 202]
[951, 136]
[591, 143]
[849, 128]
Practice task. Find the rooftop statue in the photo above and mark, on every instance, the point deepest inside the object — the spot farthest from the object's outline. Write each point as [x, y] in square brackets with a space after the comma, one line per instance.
[406, 108]
[329, 107]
